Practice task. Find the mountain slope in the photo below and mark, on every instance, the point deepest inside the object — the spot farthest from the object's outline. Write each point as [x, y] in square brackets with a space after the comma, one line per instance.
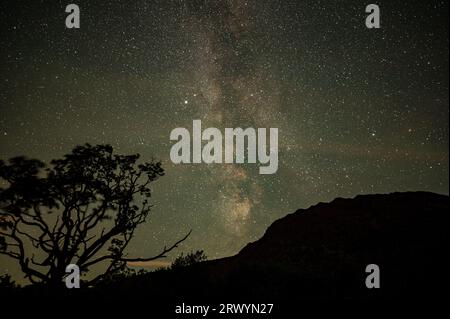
[324, 249]
[319, 252]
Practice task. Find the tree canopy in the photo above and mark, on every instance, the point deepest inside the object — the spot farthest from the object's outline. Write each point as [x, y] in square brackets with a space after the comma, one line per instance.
[81, 209]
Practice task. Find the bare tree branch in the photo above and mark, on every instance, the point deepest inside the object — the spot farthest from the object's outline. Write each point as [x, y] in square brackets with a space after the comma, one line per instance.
[162, 254]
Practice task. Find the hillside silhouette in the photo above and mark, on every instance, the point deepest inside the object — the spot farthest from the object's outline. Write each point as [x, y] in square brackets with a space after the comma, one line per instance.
[319, 252]
[322, 252]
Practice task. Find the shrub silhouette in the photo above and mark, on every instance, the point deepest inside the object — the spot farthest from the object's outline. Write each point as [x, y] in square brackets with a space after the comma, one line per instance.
[82, 209]
[191, 258]
[7, 283]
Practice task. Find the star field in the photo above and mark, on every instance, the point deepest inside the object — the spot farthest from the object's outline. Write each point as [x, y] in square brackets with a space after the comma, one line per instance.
[358, 110]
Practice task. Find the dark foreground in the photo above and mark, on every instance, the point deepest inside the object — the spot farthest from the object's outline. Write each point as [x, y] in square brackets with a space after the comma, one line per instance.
[317, 253]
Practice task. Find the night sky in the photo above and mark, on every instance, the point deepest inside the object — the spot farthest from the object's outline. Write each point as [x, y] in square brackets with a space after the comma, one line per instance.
[358, 110]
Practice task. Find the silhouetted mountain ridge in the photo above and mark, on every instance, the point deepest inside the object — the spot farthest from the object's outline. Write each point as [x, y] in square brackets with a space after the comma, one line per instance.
[322, 251]
[319, 252]
[345, 222]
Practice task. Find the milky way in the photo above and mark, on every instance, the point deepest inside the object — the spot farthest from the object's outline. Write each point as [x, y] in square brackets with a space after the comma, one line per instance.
[358, 110]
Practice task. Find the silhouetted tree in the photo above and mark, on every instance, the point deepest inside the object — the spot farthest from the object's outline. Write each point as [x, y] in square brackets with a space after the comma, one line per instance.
[191, 258]
[82, 209]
